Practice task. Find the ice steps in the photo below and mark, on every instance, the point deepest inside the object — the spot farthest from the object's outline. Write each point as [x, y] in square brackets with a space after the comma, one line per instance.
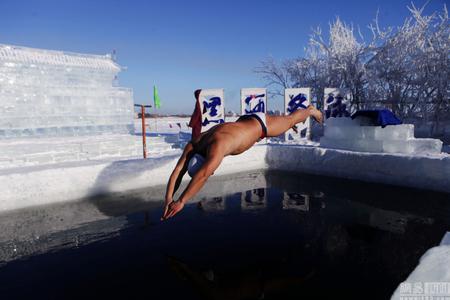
[39, 151]
[409, 146]
[347, 134]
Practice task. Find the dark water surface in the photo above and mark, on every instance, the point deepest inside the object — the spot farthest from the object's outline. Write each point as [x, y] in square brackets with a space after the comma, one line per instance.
[248, 236]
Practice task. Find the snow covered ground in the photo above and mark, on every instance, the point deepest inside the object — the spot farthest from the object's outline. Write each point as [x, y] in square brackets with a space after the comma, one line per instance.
[66, 177]
[37, 185]
[431, 278]
[31, 186]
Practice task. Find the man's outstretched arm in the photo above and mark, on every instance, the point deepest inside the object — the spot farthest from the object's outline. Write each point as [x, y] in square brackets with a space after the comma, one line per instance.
[212, 162]
[177, 175]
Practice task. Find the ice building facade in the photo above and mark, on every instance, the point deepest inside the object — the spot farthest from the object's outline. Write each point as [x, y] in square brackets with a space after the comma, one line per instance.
[64, 103]
[47, 93]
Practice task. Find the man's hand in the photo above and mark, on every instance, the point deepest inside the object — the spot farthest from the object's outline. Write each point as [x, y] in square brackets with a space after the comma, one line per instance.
[166, 207]
[172, 209]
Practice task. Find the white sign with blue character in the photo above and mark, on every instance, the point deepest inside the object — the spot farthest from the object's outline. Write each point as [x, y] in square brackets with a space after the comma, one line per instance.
[253, 100]
[336, 103]
[212, 106]
[294, 99]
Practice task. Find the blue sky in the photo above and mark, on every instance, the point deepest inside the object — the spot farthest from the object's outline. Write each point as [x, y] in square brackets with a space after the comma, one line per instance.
[185, 45]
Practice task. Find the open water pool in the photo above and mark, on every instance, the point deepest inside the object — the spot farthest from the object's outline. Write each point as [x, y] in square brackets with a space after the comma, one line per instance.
[272, 235]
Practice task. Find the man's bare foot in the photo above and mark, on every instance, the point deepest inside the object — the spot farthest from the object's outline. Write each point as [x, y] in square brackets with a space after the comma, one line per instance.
[316, 114]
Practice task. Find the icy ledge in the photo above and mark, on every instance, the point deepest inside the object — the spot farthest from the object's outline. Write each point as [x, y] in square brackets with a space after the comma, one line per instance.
[419, 171]
[32, 186]
[432, 273]
[25, 187]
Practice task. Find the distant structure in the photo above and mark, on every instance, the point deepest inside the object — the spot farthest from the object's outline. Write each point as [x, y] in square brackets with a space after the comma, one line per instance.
[58, 106]
[231, 113]
[274, 112]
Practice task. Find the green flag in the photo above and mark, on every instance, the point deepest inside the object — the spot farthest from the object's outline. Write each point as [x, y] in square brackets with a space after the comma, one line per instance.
[156, 99]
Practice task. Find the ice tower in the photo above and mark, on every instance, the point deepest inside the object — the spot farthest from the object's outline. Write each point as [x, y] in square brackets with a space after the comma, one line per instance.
[48, 95]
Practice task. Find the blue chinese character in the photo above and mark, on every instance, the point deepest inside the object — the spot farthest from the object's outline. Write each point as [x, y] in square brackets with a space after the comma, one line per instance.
[206, 121]
[335, 107]
[330, 98]
[258, 107]
[296, 102]
[213, 103]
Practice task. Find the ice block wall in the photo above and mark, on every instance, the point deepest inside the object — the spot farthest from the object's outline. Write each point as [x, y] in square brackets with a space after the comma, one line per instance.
[349, 134]
[54, 93]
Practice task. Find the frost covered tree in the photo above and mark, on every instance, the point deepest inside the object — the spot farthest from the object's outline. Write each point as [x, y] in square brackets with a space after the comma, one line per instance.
[338, 62]
[410, 69]
[406, 68]
[344, 59]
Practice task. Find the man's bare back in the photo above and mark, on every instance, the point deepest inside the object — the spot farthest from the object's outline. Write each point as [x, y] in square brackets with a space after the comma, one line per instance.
[220, 141]
[233, 138]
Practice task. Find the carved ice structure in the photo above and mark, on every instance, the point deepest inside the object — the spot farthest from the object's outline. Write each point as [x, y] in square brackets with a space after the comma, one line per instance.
[349, 134]
[48, 93]
[60, 103]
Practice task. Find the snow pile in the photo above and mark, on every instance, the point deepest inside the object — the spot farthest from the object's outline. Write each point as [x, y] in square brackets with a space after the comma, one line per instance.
[425, 172]
[349, 134]
[431, 278]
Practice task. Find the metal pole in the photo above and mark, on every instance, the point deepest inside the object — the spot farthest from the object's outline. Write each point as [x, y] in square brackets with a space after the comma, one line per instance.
[144, 143]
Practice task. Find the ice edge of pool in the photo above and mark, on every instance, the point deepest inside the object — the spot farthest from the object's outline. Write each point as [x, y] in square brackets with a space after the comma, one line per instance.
[30, 186]
[433, 269]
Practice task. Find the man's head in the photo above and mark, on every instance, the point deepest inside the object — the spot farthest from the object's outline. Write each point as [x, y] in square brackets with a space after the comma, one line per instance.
[195, 164]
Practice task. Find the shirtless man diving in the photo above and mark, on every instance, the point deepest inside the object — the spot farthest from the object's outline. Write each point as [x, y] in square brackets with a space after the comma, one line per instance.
[203, 155]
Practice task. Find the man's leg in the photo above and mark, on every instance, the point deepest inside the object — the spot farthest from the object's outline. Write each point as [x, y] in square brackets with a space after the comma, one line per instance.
[277, 125]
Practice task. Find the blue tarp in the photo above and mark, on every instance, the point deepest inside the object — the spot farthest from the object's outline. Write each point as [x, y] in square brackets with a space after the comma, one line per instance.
[379, 117]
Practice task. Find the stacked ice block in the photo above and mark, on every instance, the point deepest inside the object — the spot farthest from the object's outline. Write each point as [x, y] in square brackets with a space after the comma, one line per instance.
[53, 93]
[57, 106]
[348, 134]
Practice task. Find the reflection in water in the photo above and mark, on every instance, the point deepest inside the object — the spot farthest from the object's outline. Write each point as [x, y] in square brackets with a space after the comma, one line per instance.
[296, 201]
[298, 238]
[35, 230]
[254, 199]
[43, 229]
[253, 284]
[212, 204]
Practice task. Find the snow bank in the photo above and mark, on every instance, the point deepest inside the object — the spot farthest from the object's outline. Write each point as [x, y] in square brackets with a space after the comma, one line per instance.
[24, 187]
[425, 172]
[433, 271]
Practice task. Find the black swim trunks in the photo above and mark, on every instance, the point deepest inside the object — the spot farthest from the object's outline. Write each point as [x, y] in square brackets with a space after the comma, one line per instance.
[260, 117]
